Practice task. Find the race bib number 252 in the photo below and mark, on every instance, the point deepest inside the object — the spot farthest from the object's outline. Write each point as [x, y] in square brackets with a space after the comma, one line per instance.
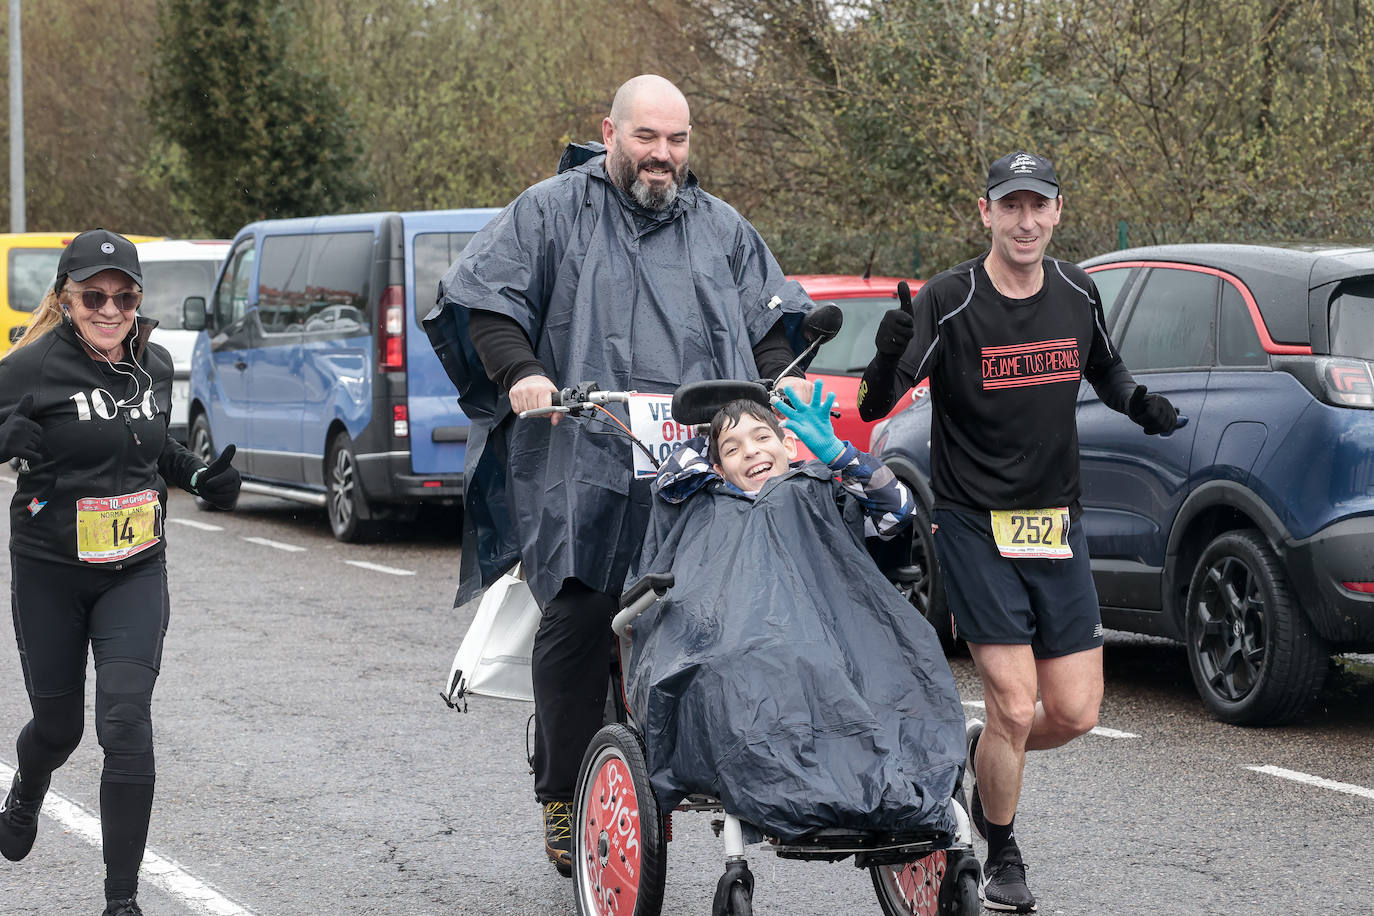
[1024, 533]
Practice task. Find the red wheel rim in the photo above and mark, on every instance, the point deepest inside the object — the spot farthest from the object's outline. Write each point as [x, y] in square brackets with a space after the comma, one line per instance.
[611, 840]
[918, 883]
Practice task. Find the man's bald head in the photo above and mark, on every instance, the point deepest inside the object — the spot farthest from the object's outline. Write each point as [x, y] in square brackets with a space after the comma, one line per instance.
[648, 89]
[647, 137]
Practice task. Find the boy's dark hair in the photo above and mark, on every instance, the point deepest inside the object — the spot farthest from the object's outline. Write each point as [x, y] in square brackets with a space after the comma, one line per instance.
[730, 415]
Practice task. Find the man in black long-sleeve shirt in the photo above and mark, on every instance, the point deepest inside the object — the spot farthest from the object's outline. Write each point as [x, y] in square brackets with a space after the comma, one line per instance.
[1005, 339]
[619, 270]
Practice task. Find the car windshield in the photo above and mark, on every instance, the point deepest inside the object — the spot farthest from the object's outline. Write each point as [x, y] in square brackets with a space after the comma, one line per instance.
[1352, 319]
[852, 349]
[32, 271]
[166, 284]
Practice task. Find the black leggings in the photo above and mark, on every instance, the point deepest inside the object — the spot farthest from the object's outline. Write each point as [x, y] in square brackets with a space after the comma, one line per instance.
[121, 614]
[571, 667]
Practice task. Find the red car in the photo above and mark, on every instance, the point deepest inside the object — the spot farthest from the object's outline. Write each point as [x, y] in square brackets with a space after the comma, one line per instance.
[841, 362]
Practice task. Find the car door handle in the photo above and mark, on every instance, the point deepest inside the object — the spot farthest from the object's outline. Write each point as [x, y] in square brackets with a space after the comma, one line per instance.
[240, 365]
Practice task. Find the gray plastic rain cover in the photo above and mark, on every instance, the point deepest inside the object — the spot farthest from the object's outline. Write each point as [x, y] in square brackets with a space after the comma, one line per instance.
[782, 673]
[608, 292]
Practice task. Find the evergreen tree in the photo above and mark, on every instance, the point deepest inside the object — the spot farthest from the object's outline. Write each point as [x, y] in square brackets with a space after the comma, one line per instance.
[263, 130]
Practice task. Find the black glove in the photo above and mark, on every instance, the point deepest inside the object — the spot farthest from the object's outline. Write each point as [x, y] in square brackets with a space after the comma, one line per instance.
[894, 333]
[21, 437]
[1152, 412]
[218, 484]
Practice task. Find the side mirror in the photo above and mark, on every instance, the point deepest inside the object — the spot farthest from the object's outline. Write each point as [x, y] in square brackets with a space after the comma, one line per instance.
[822, 323]
[193, 316]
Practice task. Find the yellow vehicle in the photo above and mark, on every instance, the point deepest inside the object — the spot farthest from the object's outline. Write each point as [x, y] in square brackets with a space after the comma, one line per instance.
[28, 264]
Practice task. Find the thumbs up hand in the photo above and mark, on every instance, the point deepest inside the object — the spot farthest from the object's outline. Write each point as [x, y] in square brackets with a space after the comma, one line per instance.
[20, 436]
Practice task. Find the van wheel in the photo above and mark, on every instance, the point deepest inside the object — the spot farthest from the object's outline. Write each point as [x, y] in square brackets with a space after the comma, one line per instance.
[204, 448]
[344, 501]
[1254, 655]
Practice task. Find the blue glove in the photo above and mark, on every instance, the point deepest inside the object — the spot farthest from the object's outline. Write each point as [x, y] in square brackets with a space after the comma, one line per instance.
[811, 423]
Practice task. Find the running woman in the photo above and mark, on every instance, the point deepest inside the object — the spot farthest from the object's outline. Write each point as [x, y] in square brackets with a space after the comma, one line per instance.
[85, 399]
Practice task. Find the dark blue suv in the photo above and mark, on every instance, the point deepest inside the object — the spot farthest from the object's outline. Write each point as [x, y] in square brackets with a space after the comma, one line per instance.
[1247, 535]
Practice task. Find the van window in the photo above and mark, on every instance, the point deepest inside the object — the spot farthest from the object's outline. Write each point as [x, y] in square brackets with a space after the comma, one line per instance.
[281, 282]
[435, 253]
[231, 303]
[337, 291]
[166, 284]
[1352, 319]
[31, 272]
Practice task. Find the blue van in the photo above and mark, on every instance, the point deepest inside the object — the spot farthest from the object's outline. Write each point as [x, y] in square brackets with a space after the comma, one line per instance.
[312, 361]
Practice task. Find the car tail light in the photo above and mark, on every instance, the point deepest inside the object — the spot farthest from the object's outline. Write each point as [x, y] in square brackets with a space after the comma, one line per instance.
[391, 342]
[1336, 380]
[400, 421]
[1348, 382]
[1365, 587]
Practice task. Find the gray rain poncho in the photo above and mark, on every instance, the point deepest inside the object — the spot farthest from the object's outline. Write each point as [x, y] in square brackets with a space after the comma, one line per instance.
[782, 673]
[609, 292]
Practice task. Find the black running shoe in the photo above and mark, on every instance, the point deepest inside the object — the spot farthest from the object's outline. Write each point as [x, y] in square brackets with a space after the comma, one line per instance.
[1004, 884]
[19, 822]
[558, 836]
[122, 908]
[975, 802]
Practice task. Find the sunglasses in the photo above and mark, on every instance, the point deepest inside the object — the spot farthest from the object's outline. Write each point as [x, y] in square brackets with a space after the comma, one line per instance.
[94, 299]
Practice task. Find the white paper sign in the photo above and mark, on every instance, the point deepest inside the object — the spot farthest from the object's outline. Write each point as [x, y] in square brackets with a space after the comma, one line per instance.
[651, 419]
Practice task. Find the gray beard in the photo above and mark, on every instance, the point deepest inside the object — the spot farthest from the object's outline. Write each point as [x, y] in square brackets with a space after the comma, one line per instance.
[625, 173]
[654, 198]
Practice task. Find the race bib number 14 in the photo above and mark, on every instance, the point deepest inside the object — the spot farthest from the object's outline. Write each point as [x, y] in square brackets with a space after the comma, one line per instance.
[113, 528]
[1039, 533]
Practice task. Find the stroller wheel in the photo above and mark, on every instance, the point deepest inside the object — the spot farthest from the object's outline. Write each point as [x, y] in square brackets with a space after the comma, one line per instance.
[913, 889]
[741, 901]
[619, 853]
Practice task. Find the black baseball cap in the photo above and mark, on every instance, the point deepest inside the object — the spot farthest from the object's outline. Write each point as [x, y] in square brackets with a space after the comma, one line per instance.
[1022, 171]
[95, 250]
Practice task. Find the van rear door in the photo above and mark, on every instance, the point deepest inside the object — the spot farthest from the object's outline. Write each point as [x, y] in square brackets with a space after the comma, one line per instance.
[438, 427]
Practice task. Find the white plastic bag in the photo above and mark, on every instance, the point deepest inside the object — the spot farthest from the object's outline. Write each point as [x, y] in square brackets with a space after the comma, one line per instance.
[494, 657]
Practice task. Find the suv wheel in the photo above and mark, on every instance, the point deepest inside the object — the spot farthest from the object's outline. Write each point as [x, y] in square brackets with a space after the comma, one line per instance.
[919, 579]
[344, 499]
[204, 448]
[1254, 656]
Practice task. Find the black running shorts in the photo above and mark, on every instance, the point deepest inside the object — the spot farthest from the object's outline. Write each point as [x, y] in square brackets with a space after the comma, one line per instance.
[1049, 605]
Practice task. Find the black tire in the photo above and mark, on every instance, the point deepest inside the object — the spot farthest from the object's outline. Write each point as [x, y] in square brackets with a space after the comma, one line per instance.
[1254, 655]
[741, 901]
[344, 500]
[203, 445]
[919, 579]
[964, 899]
[912, 889]
[613, 795]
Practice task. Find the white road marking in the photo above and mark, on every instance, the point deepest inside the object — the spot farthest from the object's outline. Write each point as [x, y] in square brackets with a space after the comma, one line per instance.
[1100, 730]
[376, 567]
[201, 898]
[1112, 733]
[192, 523]
[1319, 782]
[8, 479]
[275, 544]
